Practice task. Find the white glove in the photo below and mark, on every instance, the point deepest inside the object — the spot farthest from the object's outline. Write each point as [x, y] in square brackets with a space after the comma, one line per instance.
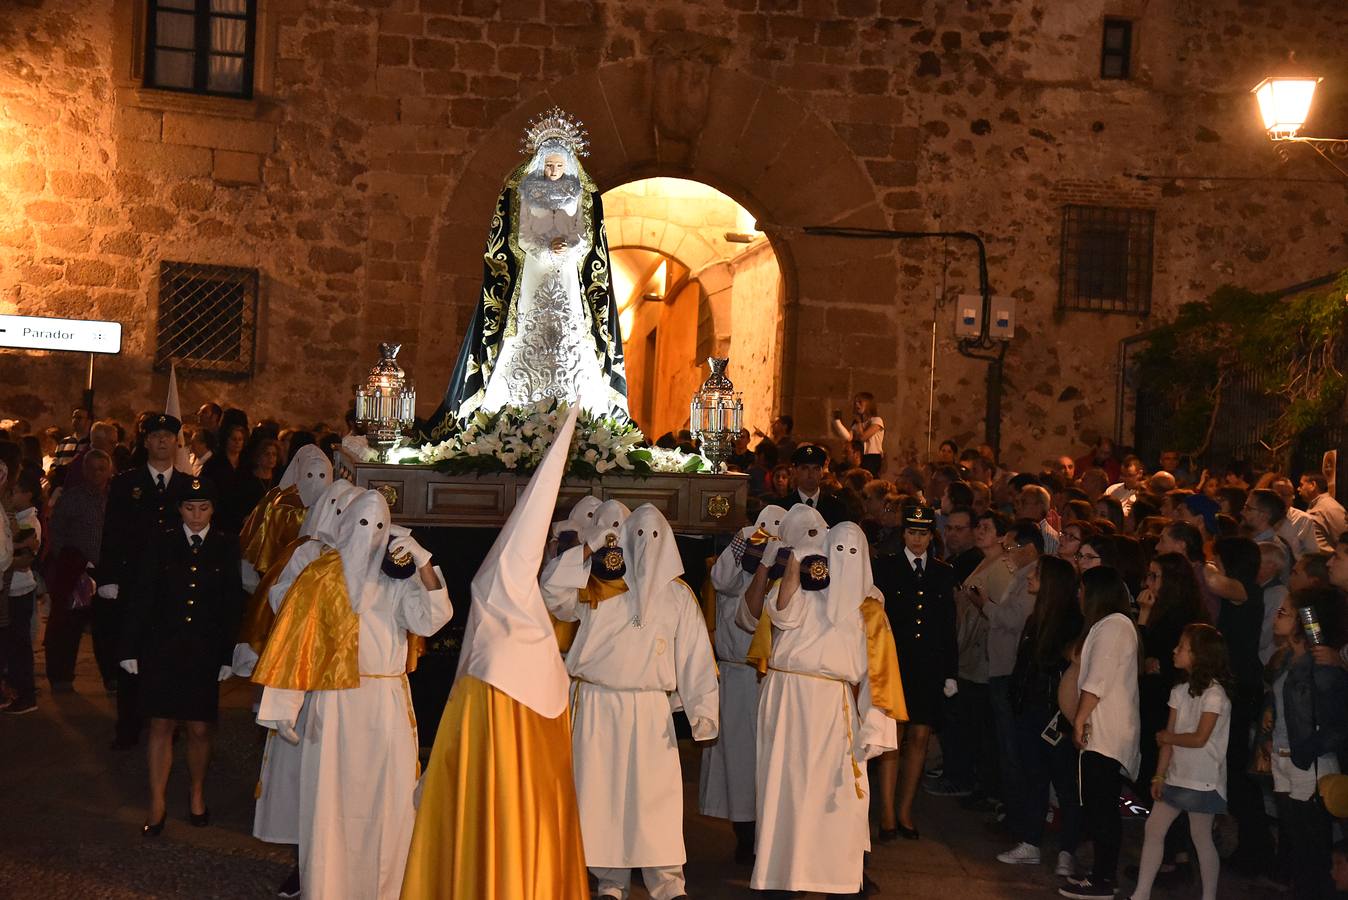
[951, 688]
[226, 672]
[286, 732]
[107, 591]
[396, 531]
[248, 576]
[131, 666]
[704, 729]
[408, 544]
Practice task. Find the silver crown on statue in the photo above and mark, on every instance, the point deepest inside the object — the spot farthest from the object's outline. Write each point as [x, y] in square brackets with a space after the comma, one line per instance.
[556, 125]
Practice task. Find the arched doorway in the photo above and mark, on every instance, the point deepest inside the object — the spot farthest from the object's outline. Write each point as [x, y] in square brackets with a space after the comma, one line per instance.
[693, 278]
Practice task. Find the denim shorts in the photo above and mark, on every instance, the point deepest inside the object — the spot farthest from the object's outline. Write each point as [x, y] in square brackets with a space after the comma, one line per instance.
[1190, 800]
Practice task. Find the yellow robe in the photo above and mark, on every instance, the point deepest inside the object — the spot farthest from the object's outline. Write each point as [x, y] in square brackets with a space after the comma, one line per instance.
[498, 817]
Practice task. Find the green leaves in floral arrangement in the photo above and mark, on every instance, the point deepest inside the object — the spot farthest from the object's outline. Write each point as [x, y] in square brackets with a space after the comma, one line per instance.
[1291, 348]
[514, 439]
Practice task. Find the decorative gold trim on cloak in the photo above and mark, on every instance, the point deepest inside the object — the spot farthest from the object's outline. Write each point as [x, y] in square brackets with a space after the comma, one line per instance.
[314, 642]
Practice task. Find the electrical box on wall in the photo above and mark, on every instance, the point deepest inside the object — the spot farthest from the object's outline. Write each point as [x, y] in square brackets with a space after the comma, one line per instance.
[1002, 321]
[968, 315]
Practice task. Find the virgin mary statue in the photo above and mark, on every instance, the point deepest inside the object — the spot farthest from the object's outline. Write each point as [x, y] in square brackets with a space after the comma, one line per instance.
[546, 324]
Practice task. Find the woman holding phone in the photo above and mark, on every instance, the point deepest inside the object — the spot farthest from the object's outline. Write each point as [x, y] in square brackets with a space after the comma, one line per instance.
[867, 431]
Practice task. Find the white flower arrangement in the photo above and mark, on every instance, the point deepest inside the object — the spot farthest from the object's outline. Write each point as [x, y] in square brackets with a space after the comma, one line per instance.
[514, 439]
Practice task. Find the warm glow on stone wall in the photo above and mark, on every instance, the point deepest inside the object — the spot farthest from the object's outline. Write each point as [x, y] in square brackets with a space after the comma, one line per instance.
[668, 240]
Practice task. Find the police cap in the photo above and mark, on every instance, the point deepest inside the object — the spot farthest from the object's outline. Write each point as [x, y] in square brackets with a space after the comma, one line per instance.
[160, 422]
[193, 489]
[809, 455]
[919, 517]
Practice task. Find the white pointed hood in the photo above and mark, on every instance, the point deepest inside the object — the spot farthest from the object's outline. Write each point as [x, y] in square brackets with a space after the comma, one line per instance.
[321, 522]
[362, 538]
[849, 570]
[310, 471]
[804, 531]
[609, 517]
[769, 519]
[580, 518]
[651, 554]
[508, 641]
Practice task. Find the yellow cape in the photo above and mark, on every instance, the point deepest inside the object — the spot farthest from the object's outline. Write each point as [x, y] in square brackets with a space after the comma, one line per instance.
[314, 641]
[882, 659]
[498, 818]
[596, 591]
[271, 527]
[882, 662]
[257, 613]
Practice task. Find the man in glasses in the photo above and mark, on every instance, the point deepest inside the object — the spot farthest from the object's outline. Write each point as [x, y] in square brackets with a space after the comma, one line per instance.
[1263, 512]
[960, 551]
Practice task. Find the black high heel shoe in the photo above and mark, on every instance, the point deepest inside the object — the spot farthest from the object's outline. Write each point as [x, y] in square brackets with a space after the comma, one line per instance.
[149, 831]
[200, 821]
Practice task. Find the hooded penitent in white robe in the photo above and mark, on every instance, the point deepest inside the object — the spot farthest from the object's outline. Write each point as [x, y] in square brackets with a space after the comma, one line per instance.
[816, 723]
[358, 765]
[497, 818]
[276, 818]
[726, 790]
[631, 652]
[308, 477]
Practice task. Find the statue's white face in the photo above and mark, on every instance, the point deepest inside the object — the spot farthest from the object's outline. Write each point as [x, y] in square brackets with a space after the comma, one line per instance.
[554, 166]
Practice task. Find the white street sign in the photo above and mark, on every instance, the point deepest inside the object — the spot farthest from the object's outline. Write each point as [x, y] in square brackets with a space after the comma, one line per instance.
[42, 333]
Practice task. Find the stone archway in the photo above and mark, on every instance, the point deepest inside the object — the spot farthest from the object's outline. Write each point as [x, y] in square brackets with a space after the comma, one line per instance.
[687, 118]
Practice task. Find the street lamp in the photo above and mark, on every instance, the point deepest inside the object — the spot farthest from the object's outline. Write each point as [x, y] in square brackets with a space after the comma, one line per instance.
[1284, 105]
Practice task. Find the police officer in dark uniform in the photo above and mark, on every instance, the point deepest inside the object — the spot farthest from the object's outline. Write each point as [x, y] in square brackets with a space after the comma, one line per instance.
[807, 471]
[140, 504]
[920, 602]
[182, 620]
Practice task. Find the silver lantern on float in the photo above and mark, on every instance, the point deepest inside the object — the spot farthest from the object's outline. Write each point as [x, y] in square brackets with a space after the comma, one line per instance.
[386, 402]
[716, 415]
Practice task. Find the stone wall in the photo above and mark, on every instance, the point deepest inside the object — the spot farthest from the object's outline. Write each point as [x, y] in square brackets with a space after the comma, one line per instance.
[360, 180]
[756, 316]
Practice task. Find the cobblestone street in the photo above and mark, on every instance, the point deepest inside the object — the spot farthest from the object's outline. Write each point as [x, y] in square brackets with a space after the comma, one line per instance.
[73, 810]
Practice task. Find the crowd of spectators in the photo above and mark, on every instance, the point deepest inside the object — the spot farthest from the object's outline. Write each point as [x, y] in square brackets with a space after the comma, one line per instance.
[1085, 584]
[1096, 551]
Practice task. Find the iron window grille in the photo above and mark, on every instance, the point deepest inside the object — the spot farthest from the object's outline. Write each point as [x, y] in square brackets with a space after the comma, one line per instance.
[1106, 260]
[201, 46]
[207, 318]
[1116, 55]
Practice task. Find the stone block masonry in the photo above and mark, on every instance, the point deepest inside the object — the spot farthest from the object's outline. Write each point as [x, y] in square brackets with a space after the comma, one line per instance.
[359, 180]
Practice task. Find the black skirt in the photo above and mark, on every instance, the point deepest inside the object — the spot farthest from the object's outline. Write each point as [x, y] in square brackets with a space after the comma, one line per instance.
[179, 679]
[923, 691]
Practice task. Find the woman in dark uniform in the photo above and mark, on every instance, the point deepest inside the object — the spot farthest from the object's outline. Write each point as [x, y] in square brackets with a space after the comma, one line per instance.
[181, 627]
[920, 602]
